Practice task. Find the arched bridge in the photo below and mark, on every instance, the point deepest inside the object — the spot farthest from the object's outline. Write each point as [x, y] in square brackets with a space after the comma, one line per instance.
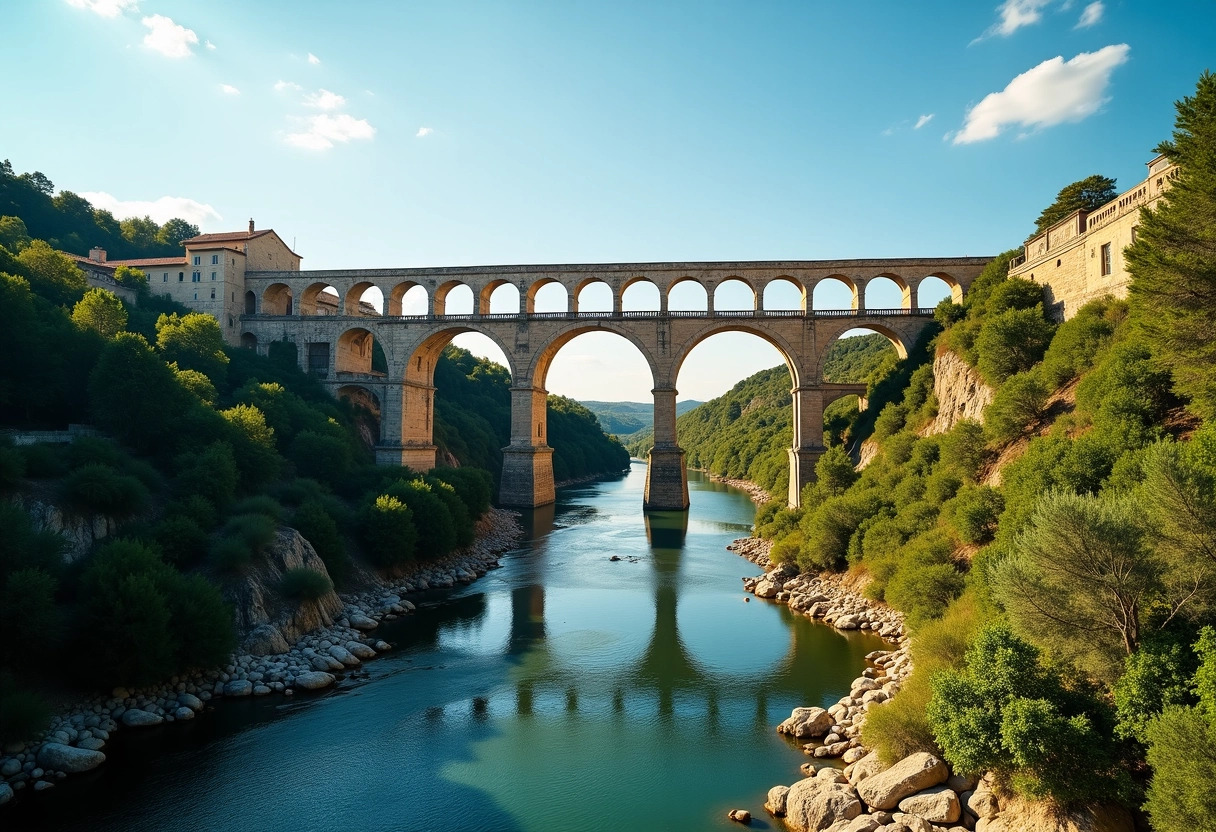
[324, 313]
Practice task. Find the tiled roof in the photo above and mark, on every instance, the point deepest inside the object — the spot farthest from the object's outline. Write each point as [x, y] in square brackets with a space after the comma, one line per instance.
[148, 261]
[226, 237]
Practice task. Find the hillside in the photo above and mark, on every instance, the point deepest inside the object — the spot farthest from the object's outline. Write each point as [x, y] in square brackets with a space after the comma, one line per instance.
[624, 418]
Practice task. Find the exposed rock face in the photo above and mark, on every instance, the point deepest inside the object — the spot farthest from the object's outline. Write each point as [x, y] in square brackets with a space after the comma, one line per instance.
[816, 803]
[961, 393]
[910, 775]
[268, 622]
[1019, 815]
[80, 532]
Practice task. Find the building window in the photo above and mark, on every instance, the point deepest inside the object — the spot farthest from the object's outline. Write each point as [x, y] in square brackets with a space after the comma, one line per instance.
[1106, 258]
[213, 294]
[197, 259]
[165, 278]
[195, 277]
[196, 295]
[1135, 232]
[213, 275]
[181, 277]
[215, 259]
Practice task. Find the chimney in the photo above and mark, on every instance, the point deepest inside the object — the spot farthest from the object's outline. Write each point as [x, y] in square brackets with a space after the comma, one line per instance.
[97, 255]
[251, 225]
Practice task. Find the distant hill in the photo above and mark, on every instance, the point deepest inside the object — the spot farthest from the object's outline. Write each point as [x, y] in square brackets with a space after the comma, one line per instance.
[625, 418]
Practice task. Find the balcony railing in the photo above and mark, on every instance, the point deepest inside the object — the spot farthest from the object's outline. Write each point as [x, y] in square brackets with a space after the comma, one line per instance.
[752, 314]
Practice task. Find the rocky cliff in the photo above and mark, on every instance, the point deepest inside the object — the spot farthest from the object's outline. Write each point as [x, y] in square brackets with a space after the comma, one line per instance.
[961, 393]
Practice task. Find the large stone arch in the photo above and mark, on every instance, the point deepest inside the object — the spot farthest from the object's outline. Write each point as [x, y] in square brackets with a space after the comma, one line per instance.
[787, 350]
[277, 300]
[543, 355]
[396, 297]
[903, 338]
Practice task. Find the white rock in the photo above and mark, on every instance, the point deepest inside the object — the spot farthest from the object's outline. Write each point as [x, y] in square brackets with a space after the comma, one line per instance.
[315, 680]
[360, 650]
[238, 687]
[343, 655]
[190, 701]
[362, 622]
[938, 804]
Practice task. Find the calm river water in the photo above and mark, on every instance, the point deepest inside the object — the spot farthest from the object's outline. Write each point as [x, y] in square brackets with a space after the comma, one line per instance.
[563, 691]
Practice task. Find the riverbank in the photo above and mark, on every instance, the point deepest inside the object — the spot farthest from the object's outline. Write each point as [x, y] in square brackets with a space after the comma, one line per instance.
[74, 740]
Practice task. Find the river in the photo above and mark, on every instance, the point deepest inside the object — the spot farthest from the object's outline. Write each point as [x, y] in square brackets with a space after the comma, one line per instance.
[564, 691]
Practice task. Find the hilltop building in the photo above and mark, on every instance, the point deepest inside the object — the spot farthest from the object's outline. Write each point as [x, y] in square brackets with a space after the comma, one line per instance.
[1080, 258]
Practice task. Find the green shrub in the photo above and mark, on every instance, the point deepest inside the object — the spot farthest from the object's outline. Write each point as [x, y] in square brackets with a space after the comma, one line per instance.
[386, 525]
[260, 504]
[197, 508]
[99, 489]
[963, 448]
[256, 531]
[229, 554]
[202, 622]
[319, 528]
[182, 541]
[28, 617]
[432, 519]
[1013, 293]
[899, 727]
[1017, 405]
[1156, 675]
[922, 591]
[1011, 342]
[305, 584]
[210, 472]
[974, 513]
[23, 713]
[44, 460]
[1182, 755]
[786, 549]
[324, 457]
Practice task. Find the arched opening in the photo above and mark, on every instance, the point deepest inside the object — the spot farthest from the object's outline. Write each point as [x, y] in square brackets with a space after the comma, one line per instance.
[251, 302]
[408, 299]
[367, 412]
[249, 341]
[640, 295]
[687, 295]
[852, 359]
[453, 298]
[481, 346]
[358, 352]
[276, 300]
[599, 365]
[784, 294]
[365, 299]
[834, 293]
[499, 298]
[547, 296]
[887, 291]
[937, 287]
[734, 295]
[593, 297]
[319, 299]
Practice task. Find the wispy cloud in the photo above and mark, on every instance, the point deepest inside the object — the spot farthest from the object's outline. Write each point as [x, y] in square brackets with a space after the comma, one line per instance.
[160, 209]
[324, 131]
[423, 132]
[922, 121]
[313, 59]
[168, 38]
[1014, 14]
[1054, 92]
[324, 100]
[106, 8]
[209, 44]
[281, 86]
[228, 89]
[1091, 16]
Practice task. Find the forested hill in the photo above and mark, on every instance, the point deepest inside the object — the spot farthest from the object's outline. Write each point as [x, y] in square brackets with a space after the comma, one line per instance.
[625, 418]
[745, 432]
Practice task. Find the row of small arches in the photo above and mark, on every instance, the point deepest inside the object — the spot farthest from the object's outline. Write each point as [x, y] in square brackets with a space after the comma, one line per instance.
[597, 296]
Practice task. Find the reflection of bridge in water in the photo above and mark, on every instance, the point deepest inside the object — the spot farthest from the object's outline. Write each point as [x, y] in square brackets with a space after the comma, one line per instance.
[667, 668]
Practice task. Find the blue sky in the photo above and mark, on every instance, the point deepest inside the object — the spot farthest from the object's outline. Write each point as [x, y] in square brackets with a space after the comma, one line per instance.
[447, 133]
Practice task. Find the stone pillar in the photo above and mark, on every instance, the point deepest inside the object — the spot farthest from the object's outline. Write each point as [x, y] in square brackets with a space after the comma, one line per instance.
[911, 295]
[859, 302]
[527, 463]
[407, 419]
[618, 301]
[666, 475]
[709, 300]
[808, 439]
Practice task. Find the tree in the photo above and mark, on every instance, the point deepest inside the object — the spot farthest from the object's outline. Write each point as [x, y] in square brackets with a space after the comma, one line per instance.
[100, 311]
[134, 395]
[174, 231]
[140, 233]
[193, 341]
[51, 274]
[1085, 195]
[14, 236]
[1011, 342]
[1173, 260]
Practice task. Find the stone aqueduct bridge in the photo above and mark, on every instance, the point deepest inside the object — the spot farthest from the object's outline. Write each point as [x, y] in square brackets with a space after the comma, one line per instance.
[335, 339]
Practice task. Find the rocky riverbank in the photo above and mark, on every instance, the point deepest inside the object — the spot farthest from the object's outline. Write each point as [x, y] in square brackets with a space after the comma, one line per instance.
[318, 659]
[759, 495]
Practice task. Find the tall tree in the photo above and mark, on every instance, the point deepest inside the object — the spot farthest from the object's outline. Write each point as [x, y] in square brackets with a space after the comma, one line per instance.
[1173, 261]
[100, 311]
[174, 231]
[1084, 194]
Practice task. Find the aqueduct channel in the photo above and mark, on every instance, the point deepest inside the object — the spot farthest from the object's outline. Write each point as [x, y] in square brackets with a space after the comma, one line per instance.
[325, 315]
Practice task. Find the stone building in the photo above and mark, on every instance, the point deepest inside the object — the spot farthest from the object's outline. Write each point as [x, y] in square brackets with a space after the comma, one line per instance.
[1080, 258]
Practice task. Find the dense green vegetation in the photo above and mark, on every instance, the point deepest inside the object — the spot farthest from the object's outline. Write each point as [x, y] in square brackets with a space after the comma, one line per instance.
[621, 419]
[1062, 613]
[744, 433]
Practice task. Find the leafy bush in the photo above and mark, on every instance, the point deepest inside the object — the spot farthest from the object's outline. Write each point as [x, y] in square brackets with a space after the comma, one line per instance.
[1017, 405]
[963, 448]
[12, 467]
[202, 621]
[28, 616]
[974, 513]
[386, 525]
[319, 528]
[182, 541]
[1154, 677]
[99, 489]
[473, 485]
[1182, 755]
[324, 457]
[44, 460]
[1011, 342]
[432, 519]
[305, 584]
[23, 713]
[209, 472]
[923, 590]
[260, 504]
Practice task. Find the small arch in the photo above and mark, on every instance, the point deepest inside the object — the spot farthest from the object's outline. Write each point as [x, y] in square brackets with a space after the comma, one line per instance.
[364, 299]
[408, 299]
[734, 294]
[499, 297]
[453, 298]
[358, 352]
[367, 409]
[932, 290]
[784, 294]
[887, 291]
[594, 296]
[251, 302]
[956, 288]
[640, 295]
[277, 300]
[547, 295]
[834, 292]
[687, 295]
[249, 341]
[320, 299]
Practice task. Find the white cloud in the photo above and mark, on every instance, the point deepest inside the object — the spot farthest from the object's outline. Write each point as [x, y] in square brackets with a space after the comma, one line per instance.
[1014, 15]
[229, 89]
[423, 132]
[313, 59]
[106, 8]
[161, 209]
[209, 44]
[923, 120]
[325, 130]
[168, 38]
[324, 100]
[1051, 93]
[1091, 16]
[280, 86]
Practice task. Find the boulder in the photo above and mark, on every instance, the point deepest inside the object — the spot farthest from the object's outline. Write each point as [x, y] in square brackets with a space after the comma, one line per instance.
[326, 663]
[938, 804]
[766, 589]
[806, 722]
[360, 650]
[315, 680]
[983, 803]
[92, 743]
[847, 622]
[775, 803]
[861, 823]
[59, 757]
[189, 700]
[343, 655]
[913, 823]
[265, 640]
[362, 622]
[910, 775]
[740, 816]
[867, 766]
[814, 804]
[137, 718]
[238, 687]
[1018, 815]
[183, 712]
[6, 793]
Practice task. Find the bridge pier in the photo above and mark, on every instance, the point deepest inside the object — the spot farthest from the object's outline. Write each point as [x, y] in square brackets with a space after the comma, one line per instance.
[527, 463]
[666, 474]
[802, 471]
[407, 417]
